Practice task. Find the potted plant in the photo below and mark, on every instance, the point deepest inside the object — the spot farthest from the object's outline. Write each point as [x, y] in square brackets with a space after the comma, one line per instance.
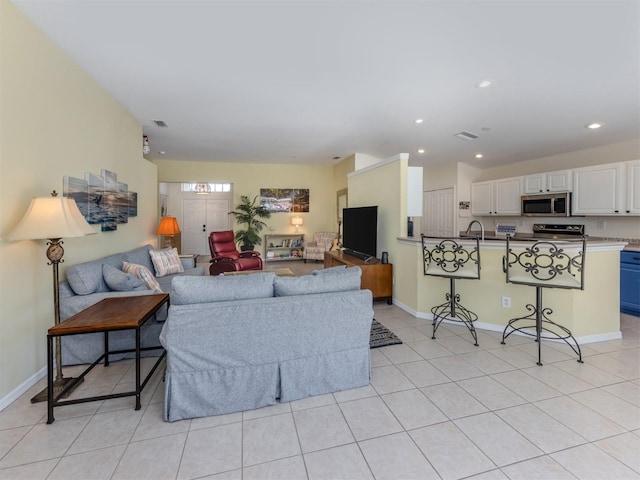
[249, 213]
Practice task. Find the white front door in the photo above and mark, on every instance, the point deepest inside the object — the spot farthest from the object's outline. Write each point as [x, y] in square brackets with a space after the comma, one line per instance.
[201, 216]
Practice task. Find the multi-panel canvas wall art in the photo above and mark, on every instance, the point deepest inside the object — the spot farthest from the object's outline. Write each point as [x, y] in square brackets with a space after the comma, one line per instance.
[102, 199]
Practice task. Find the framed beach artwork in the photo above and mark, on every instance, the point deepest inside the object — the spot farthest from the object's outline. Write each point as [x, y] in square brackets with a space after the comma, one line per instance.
[285, 200]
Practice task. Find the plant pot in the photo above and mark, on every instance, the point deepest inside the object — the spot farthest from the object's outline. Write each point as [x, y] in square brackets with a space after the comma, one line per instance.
[246, 248]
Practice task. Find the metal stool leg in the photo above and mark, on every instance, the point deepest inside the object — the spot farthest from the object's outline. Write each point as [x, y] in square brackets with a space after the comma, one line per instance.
[454, 310]
[538, 317]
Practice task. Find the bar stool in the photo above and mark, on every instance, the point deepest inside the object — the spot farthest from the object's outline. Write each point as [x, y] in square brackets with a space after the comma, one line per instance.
[451, 260]
[544, 264]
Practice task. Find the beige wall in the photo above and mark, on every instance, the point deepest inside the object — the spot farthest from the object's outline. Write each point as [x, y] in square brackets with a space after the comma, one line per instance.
[248, 179]
[386, 186]
[55, 121]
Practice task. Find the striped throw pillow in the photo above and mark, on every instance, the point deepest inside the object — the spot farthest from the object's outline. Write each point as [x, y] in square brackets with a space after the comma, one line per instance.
[143, 274]
[166, 261]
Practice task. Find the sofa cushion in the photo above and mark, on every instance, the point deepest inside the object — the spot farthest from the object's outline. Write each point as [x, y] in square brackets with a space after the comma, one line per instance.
[140, 256]
[166, 261]
[188, 290]
[86, 278]
[330, 270]
[348, 279]
[120, 281]
[144, 274]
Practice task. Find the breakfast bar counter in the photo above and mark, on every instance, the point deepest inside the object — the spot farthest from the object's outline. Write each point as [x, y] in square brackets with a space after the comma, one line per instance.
[592, 314]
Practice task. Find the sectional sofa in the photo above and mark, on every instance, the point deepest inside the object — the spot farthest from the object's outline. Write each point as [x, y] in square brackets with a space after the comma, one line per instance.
[88, 283]
[241, 342]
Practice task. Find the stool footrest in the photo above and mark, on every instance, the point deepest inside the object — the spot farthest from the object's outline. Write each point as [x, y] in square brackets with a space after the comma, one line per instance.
[453, 310]
[538, 324]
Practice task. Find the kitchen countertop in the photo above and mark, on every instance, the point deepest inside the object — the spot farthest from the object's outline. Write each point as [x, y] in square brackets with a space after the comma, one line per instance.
[497, 241]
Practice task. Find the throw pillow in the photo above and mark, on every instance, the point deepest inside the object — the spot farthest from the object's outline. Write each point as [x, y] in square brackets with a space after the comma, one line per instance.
[143, 274]
[166, 261]
[120, 281]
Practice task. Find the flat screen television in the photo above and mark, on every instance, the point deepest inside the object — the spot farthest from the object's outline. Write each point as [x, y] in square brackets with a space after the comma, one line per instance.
[360, 230]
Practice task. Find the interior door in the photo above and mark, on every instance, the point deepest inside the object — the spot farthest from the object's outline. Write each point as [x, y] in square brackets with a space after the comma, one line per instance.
[200, 216]
[437, 220]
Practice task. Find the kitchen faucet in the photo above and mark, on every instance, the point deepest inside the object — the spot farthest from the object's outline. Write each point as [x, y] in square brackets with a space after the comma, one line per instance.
[468, 230]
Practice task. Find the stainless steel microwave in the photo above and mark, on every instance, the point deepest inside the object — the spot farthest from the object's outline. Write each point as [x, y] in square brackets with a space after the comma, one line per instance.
[546, 205]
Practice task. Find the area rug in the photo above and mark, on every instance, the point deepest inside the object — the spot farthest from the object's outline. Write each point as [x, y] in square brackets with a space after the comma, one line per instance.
[382, 336]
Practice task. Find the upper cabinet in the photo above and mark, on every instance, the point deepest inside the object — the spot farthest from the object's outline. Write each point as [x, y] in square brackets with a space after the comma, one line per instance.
[559, 181]
[610, 189]
[496, 197]
[633, 188]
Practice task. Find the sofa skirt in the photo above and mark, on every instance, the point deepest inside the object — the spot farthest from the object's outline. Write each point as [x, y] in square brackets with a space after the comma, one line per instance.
[220, 390]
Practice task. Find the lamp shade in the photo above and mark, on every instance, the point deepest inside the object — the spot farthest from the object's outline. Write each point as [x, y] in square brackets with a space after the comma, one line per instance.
[51, 217]
[297, 221]
[168, 226]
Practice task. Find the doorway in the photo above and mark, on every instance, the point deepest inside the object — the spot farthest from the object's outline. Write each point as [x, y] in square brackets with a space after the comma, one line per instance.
[438, 213]
[201, 216]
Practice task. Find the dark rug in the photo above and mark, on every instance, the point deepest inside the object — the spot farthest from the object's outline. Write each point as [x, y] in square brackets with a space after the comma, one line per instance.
[382, 336]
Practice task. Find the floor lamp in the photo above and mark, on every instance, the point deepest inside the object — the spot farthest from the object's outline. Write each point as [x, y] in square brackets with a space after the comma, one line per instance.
[52, 218]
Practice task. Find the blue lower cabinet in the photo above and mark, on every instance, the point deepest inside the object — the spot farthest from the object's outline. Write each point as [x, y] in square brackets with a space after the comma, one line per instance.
[630, 282]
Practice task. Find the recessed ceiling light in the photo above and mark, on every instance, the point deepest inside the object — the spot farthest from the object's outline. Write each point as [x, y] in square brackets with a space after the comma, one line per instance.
[421, 150]
[160, 123]
[594, 125]
[162, 152]
[479, 155]
[483, 84]
[419, 120]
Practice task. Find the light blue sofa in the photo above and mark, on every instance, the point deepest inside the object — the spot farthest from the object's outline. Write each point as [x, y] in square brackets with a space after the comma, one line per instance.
[240, 342]
[85, 285]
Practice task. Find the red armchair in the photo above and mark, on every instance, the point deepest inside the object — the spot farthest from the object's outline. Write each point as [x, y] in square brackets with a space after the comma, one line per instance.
[226, 258]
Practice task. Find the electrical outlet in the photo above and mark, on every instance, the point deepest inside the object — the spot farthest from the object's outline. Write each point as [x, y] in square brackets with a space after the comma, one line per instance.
[602, 224]
[506, 302]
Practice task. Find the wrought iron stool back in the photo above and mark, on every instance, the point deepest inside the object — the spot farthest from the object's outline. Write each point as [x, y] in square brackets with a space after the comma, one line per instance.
[544, 264]
[447, 258]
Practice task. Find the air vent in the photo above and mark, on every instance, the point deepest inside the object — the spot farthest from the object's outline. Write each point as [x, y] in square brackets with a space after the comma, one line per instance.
[466, 136]
[160, 123]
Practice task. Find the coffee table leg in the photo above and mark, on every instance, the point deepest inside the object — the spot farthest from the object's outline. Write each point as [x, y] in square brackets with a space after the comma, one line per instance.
[50, 418]
[138, 406]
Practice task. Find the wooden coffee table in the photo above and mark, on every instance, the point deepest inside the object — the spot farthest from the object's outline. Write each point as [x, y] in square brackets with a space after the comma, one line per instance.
[110, 314]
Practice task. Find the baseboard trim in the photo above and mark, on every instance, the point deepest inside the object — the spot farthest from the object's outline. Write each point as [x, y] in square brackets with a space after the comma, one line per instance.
[600, 337]
[23, 387]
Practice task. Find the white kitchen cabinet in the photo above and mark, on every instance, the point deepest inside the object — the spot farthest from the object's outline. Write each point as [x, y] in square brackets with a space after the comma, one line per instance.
[633, 188]
[560, 181]
[599, 190]
[496, 197]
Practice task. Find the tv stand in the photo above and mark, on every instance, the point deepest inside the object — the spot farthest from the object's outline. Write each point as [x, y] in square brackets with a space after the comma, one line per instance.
[376, 276]
[360, 255]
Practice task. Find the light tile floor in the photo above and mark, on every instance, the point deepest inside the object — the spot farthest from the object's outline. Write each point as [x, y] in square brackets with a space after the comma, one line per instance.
[440, 409]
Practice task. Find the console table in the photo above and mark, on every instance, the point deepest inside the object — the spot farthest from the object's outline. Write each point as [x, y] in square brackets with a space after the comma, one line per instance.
[376, 276]
[110, 314]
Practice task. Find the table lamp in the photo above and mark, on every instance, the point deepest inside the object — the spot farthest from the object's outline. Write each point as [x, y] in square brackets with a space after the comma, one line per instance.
[297, 221]
[53, 218]
[168, 228]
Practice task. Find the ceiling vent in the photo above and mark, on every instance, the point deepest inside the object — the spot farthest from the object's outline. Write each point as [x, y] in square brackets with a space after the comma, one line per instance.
[160, 123]
[466, 136]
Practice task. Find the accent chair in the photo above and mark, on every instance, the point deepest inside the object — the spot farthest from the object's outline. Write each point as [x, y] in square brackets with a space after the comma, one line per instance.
[225, 256]
[322, 242]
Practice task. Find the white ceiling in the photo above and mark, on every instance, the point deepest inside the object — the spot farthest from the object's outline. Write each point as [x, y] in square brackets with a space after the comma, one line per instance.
[307, 81]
